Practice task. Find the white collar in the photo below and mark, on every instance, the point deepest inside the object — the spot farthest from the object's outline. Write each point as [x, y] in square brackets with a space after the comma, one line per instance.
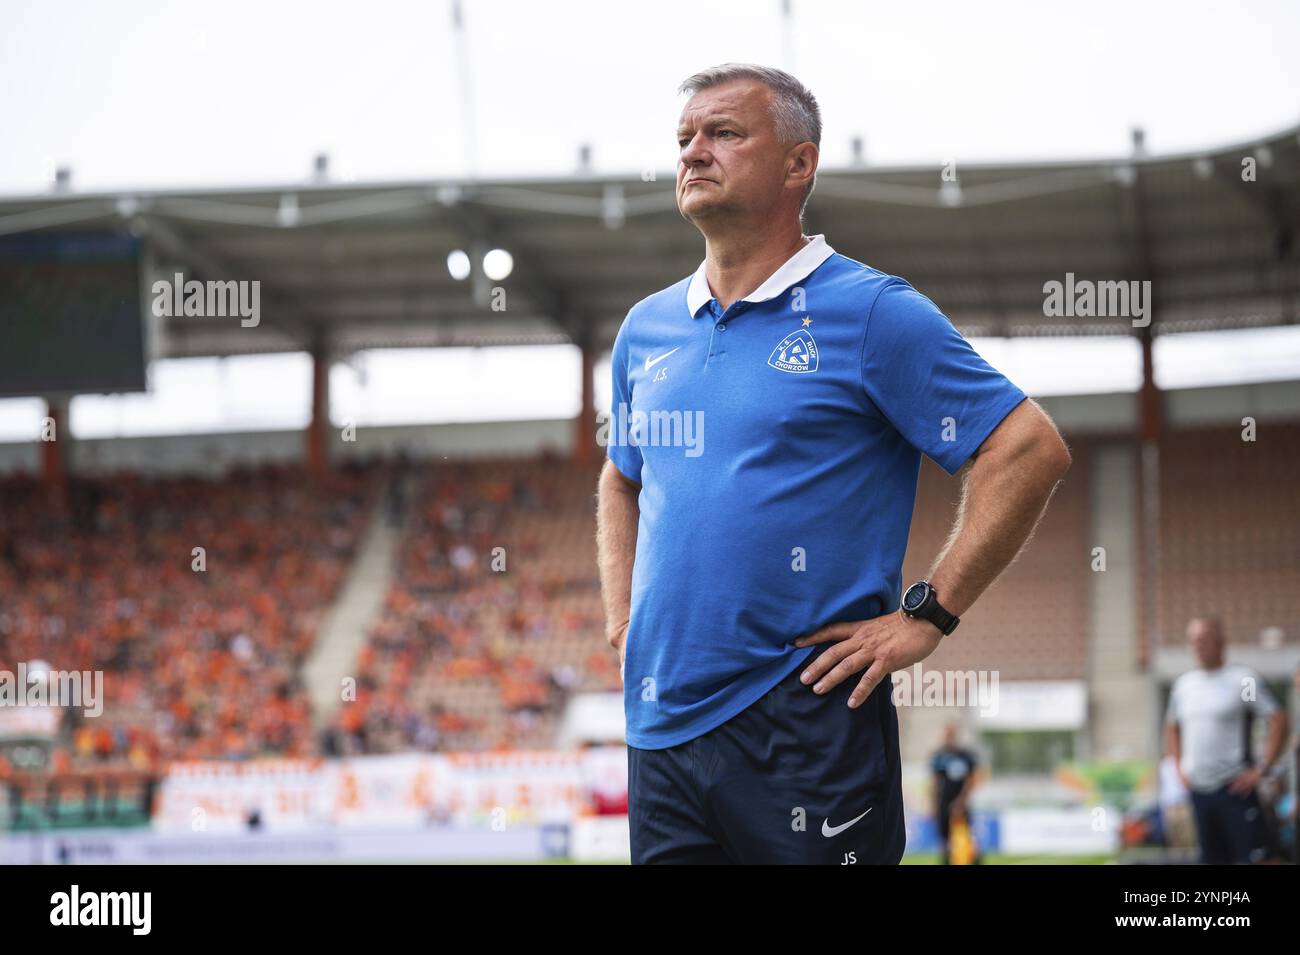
[796, 268]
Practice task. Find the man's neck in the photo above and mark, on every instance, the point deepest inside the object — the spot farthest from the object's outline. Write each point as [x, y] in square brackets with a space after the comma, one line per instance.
[739, 261]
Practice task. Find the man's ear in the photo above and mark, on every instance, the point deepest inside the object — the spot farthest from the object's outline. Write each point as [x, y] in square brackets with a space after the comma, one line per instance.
[802, 162]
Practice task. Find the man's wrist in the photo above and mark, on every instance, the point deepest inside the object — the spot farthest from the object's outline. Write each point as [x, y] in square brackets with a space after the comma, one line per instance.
[921, 602]
[931, 629]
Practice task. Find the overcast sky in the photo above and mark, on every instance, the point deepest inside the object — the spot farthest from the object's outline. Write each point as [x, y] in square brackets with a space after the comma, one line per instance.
[138, 93]
[155, 94]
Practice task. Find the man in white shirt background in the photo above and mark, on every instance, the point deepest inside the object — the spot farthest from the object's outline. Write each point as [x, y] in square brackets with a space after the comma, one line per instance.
[1208, 731]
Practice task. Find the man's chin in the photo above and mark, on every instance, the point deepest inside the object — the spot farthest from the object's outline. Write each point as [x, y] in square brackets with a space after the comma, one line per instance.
[698, 207]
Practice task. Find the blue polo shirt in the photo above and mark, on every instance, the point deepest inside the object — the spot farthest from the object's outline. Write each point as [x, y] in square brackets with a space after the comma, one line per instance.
[777, 445]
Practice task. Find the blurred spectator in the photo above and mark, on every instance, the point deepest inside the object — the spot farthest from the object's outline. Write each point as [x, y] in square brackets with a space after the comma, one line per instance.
[953, 771]
[1208, 735]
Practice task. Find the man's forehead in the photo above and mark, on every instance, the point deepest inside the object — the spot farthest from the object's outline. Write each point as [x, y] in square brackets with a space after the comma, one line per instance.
[740, 98]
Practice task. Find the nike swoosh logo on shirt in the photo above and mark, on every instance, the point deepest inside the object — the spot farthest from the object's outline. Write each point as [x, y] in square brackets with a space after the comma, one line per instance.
[828, 830]
[651, 362]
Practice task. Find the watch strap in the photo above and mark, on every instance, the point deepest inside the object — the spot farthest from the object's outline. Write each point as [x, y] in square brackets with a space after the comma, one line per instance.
[933, 612]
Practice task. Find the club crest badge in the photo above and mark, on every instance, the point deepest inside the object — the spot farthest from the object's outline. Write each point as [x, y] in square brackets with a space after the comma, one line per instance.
[796, 354]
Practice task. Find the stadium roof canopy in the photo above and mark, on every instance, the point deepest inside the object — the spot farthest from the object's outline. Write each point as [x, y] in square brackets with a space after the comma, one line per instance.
[359, 266]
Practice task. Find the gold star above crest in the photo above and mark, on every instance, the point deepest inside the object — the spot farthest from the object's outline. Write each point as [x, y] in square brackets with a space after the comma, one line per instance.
[807, 322]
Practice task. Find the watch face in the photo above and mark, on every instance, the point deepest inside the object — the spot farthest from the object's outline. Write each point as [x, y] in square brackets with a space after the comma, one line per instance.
[914, 597]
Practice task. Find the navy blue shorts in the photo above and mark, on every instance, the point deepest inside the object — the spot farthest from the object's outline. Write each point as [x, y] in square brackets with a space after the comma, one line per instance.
[795, 778]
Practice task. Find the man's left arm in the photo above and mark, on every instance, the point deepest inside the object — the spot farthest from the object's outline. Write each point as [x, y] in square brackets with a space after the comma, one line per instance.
[1004, 494]
[1249, 778]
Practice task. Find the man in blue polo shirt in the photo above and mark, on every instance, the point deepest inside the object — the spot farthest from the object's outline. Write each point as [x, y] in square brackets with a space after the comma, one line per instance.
[769, 416]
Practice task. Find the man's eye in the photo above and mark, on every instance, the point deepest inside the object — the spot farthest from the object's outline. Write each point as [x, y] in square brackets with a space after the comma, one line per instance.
[682, 143]
[725, 132]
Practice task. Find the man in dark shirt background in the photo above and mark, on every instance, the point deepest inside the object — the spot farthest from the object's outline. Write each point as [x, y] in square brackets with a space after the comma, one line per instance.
[953, 769]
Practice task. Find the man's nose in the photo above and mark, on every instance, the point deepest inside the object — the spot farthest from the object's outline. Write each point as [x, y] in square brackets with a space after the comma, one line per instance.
[695, 154]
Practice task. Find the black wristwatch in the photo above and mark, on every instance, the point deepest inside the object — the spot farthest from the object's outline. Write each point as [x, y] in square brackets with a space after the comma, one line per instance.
[920, 602]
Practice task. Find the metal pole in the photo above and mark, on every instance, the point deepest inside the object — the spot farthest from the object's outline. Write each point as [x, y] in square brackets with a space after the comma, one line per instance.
[464, 76]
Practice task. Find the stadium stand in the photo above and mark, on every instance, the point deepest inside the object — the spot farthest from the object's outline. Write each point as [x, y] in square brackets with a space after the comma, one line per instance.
[199, 664]
[477, 648]
[493, 617]
[1230, 530]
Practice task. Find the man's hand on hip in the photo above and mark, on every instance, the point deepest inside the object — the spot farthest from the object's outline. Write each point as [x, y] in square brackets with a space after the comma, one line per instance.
[1244, 784]
[879, 646]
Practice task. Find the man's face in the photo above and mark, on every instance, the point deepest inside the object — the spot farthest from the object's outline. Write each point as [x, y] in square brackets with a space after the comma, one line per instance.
[1207, 643]
[731, 159]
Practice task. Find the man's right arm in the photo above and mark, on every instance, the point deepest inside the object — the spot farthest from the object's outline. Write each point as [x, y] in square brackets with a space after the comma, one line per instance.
[617, 516]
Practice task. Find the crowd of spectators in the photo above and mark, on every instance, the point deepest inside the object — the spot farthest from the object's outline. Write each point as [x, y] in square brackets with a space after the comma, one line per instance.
[198, 599]
[493, 617]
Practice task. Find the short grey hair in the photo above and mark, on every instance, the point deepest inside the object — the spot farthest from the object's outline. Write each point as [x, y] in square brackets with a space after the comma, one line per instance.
[794, 108]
